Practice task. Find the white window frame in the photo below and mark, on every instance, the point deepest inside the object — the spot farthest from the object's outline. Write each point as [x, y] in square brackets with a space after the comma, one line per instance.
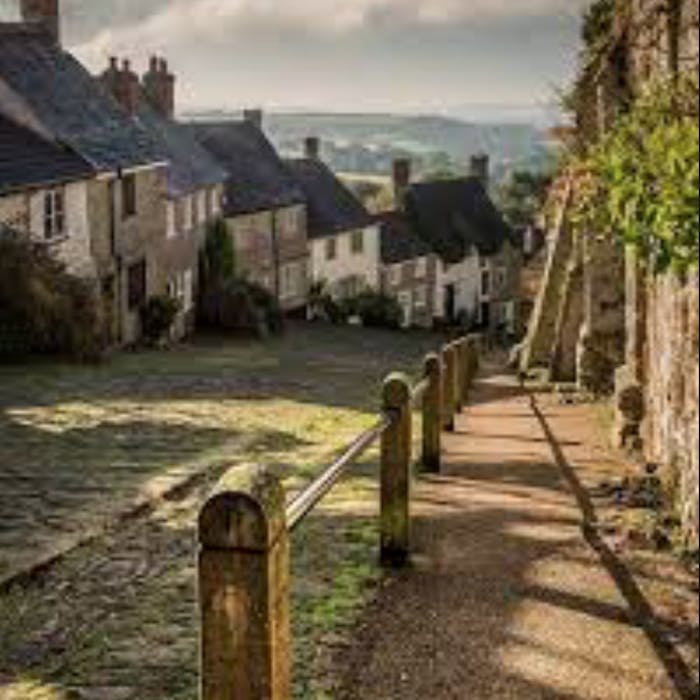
[396, 275]
[331, 249]
[201, 199]
[420, 297]
[54, 214]
[421, 268]
[187, 213]
[172, 227]
[357, 242]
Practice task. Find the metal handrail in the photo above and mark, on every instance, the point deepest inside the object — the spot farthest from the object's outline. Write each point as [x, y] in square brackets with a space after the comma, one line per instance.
[313, 494]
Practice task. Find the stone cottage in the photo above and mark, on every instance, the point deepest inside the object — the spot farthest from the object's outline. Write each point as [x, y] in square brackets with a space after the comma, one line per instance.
[194, 181]
[343, 238]
[43, 191]
[264, 208]
[478, 275]
[48, 92]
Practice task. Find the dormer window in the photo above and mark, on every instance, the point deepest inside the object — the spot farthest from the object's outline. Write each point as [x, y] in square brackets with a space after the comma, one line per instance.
[54, 214]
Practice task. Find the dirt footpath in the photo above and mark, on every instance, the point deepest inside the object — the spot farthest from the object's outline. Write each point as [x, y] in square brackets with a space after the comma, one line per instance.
[512, 593]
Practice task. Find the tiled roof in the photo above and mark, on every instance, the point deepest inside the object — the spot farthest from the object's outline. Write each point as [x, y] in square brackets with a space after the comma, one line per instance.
[332, 207]
[258, 179]
[454, 216]
[27, 160]
[191, 166]
[68, 102]
[399, 241]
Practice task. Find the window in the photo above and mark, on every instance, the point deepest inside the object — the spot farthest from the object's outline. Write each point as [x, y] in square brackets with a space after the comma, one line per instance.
[187, 213]
[171, 220]
[395, 275]
[331, 249]
[358, 242]
[421, 268]
[420, 297]
[485, 283]
[136, 285]
[201, 207]
[214, 203]
[500, 279]
[129, 196]
[54, 215]
[289, 282]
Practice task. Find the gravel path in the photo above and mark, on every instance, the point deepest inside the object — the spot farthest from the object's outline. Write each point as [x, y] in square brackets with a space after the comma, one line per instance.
[507, 597]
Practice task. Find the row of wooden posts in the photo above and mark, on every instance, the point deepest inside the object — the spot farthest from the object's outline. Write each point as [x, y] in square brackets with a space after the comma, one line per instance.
[244, 530]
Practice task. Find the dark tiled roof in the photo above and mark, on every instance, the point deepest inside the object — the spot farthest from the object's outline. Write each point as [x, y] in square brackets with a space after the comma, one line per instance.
[28, 160]
[332, 207]
[453, 216]
[191, 166]
[399, 241]
[69, 103]
[258, 180]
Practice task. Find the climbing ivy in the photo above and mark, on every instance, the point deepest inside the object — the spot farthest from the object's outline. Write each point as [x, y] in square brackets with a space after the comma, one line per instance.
[641, 179]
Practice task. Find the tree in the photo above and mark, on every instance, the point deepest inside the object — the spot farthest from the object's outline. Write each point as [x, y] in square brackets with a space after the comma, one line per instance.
[521, 197]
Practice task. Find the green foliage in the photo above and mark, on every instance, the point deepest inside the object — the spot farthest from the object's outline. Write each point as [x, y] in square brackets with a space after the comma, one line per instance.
[218, 258]
[641, 180]
[378, 310]
[157, 318]
[43, 309]
[522, 196]
[598, 23]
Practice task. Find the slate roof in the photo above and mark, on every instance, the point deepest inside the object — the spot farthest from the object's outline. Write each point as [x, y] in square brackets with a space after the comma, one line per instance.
[69, 103]
[191, 166]
[332, 207]
[399, 241]
[27, 160]
[258, 179]
[453, 216]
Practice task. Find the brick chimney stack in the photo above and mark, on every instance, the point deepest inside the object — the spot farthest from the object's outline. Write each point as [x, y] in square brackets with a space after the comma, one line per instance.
[45, 13]
[480, 167]
[312, 148]
[123, 83]
[254, 116]
[402, 180]
[159, 87]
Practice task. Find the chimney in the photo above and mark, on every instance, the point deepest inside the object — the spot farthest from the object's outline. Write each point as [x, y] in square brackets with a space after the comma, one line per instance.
[159, 87]
[312, 148]
[402, 180]
[480, 167]
[123, 83]
[45, 13]
[254, 116]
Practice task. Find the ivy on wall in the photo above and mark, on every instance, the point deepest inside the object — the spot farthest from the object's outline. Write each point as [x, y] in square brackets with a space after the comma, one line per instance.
[641, 179]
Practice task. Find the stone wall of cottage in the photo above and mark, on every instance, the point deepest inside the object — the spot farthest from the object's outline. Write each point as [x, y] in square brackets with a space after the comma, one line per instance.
[253, 238]
[14, 211]
[414, 284]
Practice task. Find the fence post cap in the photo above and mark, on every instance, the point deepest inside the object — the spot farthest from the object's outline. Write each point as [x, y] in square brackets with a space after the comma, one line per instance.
[432, 364]
[246, 511]
[396, 390]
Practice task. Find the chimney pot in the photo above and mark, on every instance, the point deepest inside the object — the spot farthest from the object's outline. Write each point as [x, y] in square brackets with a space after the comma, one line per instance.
[154, 64]
[480, 167]
[45, 13]
[312, 148]
[402, 180]
[254, 116]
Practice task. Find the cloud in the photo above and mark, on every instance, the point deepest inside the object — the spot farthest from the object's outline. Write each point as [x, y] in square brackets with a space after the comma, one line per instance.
[191, 21]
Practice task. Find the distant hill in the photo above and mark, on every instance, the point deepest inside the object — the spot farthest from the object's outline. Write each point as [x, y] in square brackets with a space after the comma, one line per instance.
[368, 143]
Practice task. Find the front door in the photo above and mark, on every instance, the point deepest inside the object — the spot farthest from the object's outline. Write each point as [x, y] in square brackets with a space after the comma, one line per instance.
[450, 302]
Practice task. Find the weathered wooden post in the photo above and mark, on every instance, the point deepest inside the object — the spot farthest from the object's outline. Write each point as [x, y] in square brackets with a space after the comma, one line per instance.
[432, 415]
[466, 362]
[449, 385]
[244, 589]
[396, 473]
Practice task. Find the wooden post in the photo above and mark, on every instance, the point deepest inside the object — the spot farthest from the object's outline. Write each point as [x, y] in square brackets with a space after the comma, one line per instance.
[396, 473]
[465, 361]
[449, 384]
[459, 376]
[244, 590]
[432, 415]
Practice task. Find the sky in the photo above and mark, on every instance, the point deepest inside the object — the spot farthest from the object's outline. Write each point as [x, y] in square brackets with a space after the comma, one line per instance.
[423, 56]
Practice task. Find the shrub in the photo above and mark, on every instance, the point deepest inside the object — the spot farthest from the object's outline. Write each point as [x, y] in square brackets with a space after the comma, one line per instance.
[43, 309]
[240, 306]
[378, 310]
[157, 318]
